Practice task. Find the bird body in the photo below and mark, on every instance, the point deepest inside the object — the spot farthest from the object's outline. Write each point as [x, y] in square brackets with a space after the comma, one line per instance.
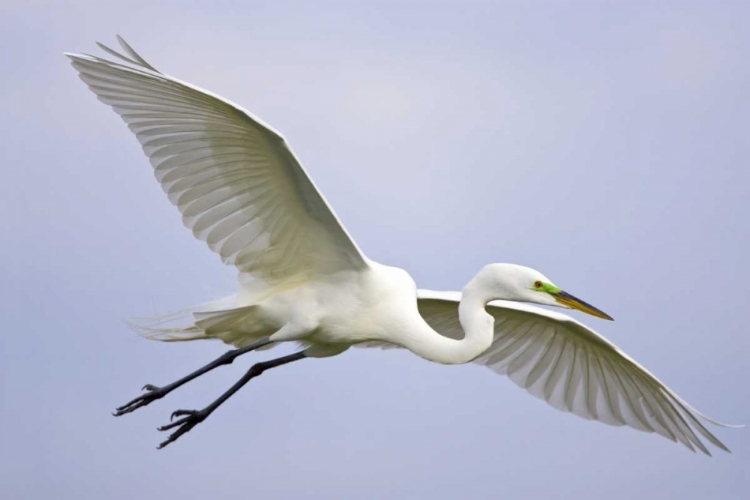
[241, 189]
[341, 309]
[333, 312]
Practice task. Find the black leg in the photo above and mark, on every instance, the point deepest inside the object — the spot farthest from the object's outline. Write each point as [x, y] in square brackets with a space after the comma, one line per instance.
[194, 417]
[155, 392]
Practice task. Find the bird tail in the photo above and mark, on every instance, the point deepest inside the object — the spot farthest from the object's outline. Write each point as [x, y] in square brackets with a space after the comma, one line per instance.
[221, 319]
[178, 326]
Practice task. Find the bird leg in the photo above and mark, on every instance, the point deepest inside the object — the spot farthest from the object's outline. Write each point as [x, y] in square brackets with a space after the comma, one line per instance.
[155, 392]
[191, 418]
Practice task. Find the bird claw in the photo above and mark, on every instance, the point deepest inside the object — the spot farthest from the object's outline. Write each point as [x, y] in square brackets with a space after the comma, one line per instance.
[179, 413]
[154, 393]
[183, 425]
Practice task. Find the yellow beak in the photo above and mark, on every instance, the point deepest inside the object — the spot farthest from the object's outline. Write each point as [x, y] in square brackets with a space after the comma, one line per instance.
[572, 302]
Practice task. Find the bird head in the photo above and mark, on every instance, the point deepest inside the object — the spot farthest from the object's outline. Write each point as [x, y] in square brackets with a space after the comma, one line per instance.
[524, 284]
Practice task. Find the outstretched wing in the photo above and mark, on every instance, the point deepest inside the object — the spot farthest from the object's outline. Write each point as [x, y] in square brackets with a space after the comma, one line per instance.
[574, 369]
[235, 180]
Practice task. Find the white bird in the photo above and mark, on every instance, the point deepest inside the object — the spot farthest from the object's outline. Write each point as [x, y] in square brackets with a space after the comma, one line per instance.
[241, 189]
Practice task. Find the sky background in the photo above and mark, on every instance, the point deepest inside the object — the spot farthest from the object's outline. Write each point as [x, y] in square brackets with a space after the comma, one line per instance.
[603, 143]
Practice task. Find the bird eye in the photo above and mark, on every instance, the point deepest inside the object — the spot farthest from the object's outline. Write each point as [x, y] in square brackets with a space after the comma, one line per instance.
[538, 284]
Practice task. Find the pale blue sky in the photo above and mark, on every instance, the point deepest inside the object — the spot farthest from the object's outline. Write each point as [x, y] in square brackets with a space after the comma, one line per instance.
[604, 143]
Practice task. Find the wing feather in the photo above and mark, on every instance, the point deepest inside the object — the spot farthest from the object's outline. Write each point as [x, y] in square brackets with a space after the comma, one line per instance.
[548, 359]
[611, 398]
[591, 385]
[234, 179]
[521, 365]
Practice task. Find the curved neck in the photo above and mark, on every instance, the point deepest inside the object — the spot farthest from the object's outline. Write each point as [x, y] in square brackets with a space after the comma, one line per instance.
[477, 324]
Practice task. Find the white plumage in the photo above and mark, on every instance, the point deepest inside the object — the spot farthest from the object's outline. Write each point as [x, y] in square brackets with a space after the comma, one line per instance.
[241, 189]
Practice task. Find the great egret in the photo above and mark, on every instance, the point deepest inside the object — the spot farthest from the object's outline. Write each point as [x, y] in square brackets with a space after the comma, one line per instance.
[240, 189]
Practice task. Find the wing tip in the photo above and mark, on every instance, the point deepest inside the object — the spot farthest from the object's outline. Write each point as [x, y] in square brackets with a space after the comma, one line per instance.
[132, 57]
[703, 415]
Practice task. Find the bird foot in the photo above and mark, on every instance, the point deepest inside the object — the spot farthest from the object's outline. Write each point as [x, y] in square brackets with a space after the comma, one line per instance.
[183, 425]
[152, 395]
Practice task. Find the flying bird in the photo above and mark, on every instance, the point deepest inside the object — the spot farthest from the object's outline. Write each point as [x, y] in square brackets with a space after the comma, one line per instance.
[303, 279]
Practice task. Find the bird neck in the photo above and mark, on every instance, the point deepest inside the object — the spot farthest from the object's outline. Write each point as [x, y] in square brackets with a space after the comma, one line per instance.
[477, 324]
